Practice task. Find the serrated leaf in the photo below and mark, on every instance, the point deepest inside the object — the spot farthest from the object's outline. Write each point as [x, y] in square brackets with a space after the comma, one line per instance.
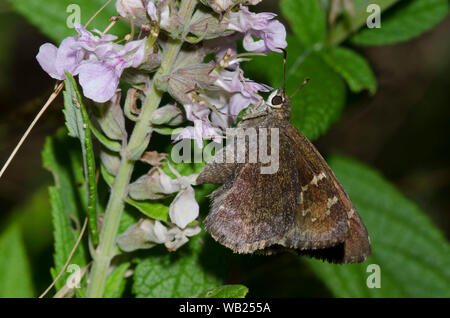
[61, 156]
[115, 282]
[14, 265]
[409, 19]
[194, 268]
[307, 20]
[353, 68]
[78, 124]
[226, 291]
[51, 16]
[414, 257]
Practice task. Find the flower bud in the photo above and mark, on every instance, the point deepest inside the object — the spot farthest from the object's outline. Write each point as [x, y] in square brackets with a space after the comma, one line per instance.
[167, 115]
[144, 234]
[178, 237]
[111, 119]
[133, 10]
[221, 6]
[208, 26]
[188, 79]
[110, 160]
[153, 186]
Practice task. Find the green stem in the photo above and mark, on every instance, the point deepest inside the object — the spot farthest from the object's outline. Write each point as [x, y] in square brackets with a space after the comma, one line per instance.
[344, 29]
[139, 136]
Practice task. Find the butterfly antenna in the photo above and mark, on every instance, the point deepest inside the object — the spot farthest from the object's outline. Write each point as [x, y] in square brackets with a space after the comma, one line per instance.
[305, 81]
[284, 68]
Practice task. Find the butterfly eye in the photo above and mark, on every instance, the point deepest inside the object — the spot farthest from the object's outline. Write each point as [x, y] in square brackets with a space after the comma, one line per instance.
[277, 100]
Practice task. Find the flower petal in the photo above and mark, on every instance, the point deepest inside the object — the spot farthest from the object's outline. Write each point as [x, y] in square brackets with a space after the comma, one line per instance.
[68, 57]
[254, 46]
[152, 11]
[99, 81]
[184, 209]
[46, 58]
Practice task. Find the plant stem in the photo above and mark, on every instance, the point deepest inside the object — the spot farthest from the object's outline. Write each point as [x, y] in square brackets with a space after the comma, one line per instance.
[139, 136]
[344, 29]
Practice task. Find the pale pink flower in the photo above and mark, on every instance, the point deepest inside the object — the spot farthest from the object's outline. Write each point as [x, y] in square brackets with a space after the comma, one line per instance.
[271, 33]
[97, 60]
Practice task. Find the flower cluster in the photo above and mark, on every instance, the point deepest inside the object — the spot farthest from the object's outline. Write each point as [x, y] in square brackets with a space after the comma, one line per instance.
[97, 60]
[209, 94]
[182, 211]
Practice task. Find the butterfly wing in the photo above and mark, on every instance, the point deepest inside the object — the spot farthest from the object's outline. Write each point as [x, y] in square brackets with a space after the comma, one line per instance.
[248, 213]
[301, 206]
[327, 220]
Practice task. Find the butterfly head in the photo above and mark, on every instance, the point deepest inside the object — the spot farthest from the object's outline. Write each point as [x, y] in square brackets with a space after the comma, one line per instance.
[278, 103]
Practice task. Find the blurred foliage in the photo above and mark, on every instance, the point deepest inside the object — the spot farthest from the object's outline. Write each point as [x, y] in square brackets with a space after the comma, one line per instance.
[409, 19]
[51, 17]
[413, 255]
[14, 265]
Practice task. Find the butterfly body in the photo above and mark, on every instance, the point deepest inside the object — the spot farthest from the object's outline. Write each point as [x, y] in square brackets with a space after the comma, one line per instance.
[300, 207]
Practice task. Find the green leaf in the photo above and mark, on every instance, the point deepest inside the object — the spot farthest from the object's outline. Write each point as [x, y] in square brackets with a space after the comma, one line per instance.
[353, 68]
[108, 177]
[307, 20]
[321, 101]
[154, 210]
[105, 141]
[61, 156]
[77, 122]
[51, 16]
[194, 268]
[115, 282]
[407, 20]
[414, 257]
[14, 265]
[166, 130]
[129, 217]
[183, 168]
[226, 291]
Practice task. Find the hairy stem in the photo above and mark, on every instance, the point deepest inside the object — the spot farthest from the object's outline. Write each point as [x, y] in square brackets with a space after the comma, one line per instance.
[344, 29]
[140, 136]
